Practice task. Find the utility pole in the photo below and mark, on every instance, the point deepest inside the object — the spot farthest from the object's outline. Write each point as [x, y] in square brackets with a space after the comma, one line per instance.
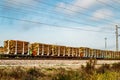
[105, 43]
[117, 47]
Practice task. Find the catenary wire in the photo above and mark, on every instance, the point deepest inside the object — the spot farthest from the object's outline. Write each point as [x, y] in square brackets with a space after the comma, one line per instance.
[51, 24]
[105, 20]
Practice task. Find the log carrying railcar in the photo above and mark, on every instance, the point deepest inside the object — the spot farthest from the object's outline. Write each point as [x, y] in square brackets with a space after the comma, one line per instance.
[17, 47]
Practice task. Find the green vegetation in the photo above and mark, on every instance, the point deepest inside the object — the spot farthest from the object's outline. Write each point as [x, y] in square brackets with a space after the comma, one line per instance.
[88, 72]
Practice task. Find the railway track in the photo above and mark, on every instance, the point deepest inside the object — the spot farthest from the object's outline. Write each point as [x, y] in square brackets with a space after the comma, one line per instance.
[45, 57]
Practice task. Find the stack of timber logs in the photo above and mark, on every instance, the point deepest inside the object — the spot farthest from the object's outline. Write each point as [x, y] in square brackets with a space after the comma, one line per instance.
[67, 51]
[62, 50]
[15, 47]
[47, 49]
[74, 52]
[82, 52]
[9, 46]
[36, 49]
[77, 52]
[1, 50]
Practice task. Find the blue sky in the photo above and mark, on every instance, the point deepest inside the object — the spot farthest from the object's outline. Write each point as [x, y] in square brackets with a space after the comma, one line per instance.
[69, 22]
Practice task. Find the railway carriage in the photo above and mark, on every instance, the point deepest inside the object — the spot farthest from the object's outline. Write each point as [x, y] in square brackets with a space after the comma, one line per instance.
[17, 47]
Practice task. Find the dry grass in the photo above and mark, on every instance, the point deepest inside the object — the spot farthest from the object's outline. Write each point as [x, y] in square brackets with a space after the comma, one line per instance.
[89, 72]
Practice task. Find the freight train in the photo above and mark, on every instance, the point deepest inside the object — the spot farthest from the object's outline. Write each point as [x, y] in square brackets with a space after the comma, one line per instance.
[23, 48]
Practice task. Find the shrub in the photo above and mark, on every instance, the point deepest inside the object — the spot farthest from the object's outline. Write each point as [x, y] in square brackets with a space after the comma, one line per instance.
[35, 72]
[116, 67]
[16, 73]
[104, 68]
[89, 68]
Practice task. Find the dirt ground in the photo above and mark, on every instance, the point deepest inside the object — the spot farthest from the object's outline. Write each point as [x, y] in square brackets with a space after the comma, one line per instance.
[52, 63]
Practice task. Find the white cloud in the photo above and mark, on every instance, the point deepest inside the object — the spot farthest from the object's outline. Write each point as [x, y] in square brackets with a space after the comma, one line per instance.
[101, 14]
[84, 3]
[73, 7]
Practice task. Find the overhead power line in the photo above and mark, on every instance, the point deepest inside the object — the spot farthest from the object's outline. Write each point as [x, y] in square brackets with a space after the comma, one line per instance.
[106, 4]
[62, 1]
[61, 18]
[71, 20]
[87, 9]
[105, 20]
[53, 17]
[51, 24]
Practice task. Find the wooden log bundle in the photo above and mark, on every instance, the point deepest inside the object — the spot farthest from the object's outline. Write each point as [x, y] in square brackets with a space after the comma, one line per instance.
[82, 51]
[67, 51]
[53, 50]
[62, 50]
[73, 51]
[15, 46]
[56, 50]
[9, 46]
[77, 52]
[1, 50]
[36, 49]
[46, 49]
[40, 49]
